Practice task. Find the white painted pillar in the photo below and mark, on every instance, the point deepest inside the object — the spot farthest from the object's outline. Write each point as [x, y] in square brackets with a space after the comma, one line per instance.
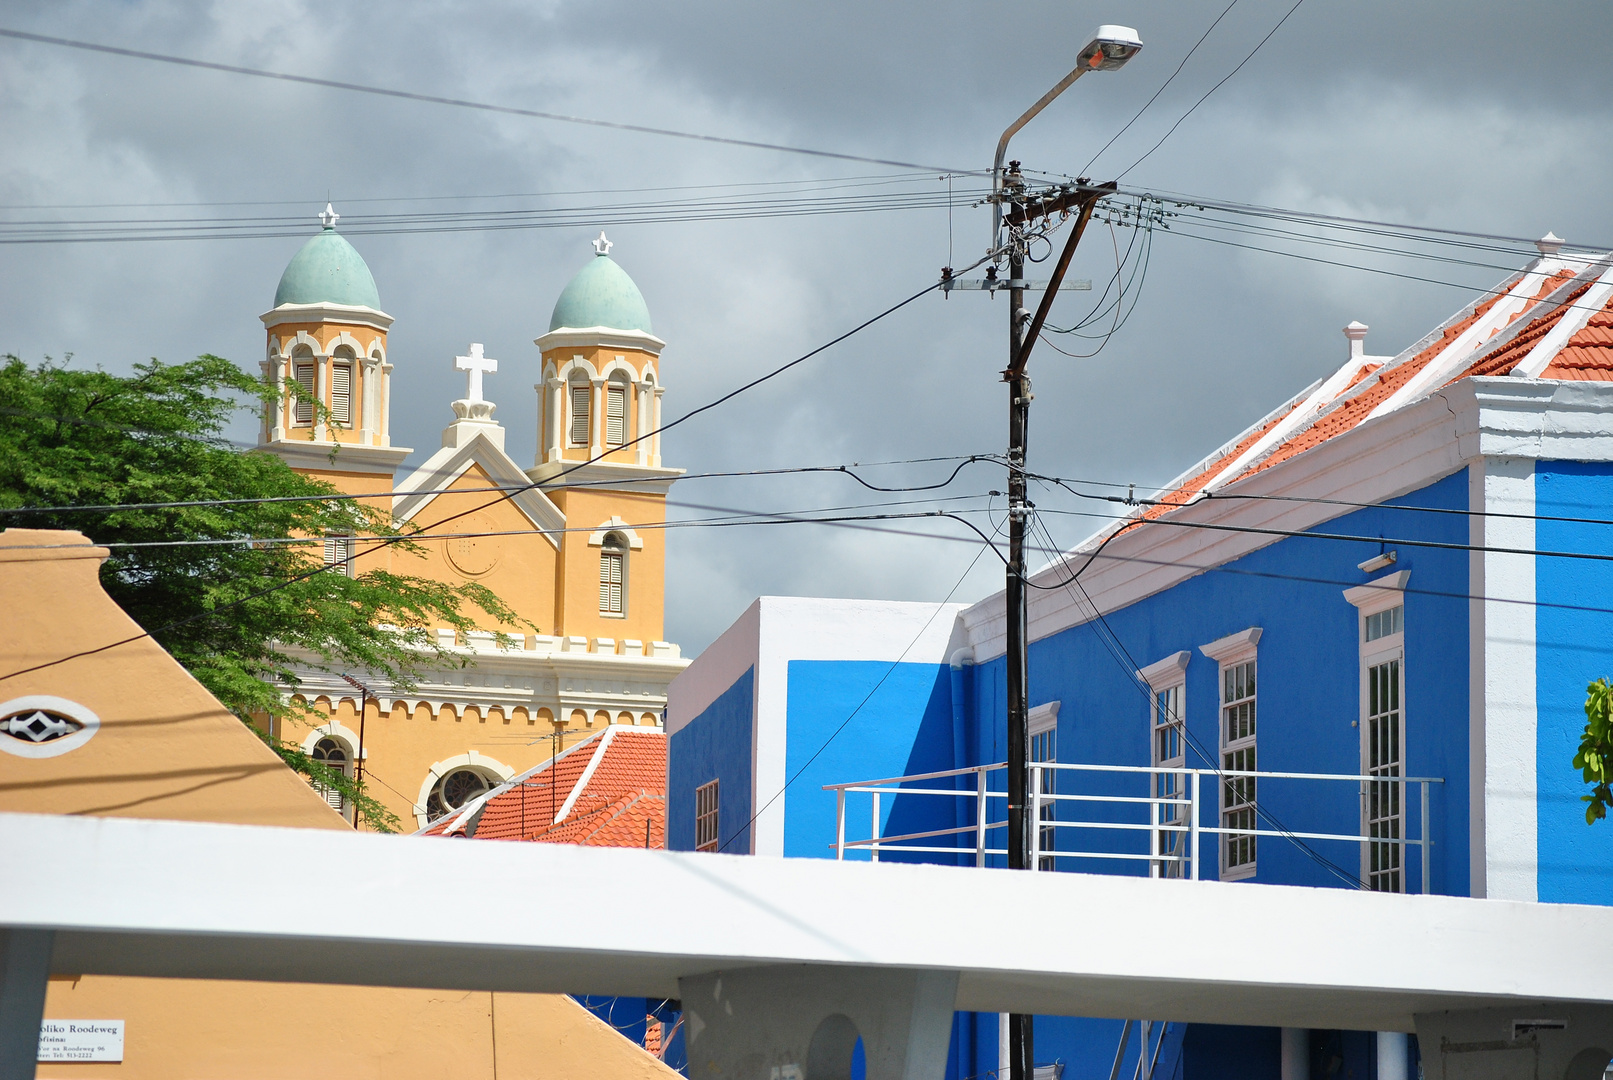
[1003, 1060]
[1393, 1055]
[24, 973]
[597, 418]
[641, 427]
[369, 372]
[655, 443]
[1296, 1058]
[385, 408]
[555, 403]
[277, 416]
[321, 392]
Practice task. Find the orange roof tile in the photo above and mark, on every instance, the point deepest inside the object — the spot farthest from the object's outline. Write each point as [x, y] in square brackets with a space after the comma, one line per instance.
[1588, 356]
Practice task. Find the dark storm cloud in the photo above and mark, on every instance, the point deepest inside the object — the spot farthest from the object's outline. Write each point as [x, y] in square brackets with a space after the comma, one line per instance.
[1474, 116]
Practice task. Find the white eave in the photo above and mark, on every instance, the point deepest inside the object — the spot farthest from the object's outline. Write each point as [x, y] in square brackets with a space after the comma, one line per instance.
[592, 337]
[325, 313]
[450, 463]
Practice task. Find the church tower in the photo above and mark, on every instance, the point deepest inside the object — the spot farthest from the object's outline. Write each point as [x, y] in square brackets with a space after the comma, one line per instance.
[327, 334]
[599, 455]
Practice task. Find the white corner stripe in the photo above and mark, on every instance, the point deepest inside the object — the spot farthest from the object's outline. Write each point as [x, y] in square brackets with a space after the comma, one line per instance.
[587, 774]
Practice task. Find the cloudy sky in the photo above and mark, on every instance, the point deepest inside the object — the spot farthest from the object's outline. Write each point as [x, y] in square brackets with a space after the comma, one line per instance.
[1476, 116]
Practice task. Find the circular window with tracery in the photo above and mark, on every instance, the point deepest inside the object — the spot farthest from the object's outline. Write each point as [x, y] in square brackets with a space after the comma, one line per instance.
[456, 788]
[42, 726]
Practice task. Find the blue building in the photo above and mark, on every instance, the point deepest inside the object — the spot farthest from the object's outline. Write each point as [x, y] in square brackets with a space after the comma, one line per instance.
[1349, 649]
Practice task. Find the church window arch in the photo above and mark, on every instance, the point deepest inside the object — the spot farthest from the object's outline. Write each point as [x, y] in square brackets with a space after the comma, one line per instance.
[613, 575]
[579, 395]
[335, 754]
[616, 411]
[455, 788]
[302, 370]
[341, 386]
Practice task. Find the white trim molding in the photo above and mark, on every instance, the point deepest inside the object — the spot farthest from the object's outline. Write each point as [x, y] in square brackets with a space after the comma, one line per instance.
[616, 525]
[1379, 594]
[1171, 671]
[1233, 648]
[438, 770]
[599, 337]
[327, 313]
[1042, 718]
[339, 731]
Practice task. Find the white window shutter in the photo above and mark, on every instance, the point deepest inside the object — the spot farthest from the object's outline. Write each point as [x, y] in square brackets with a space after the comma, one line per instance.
[341, 393]
[610, 583]
[305, 402]
[615, 415]
[579, 413]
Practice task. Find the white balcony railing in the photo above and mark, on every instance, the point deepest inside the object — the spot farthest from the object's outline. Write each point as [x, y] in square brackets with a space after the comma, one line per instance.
[1163, 818]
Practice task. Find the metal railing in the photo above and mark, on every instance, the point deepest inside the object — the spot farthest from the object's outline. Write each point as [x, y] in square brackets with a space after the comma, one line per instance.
[1179, 813]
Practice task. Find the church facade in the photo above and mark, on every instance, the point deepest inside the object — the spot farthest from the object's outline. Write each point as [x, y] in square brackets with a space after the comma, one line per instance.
[571, 544]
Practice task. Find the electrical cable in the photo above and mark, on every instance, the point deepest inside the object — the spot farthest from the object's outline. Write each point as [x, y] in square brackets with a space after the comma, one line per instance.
[1212, 90]
[433, 99]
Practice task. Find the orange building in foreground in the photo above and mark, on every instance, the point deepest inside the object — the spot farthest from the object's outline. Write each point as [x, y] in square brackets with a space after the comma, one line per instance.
[124, 731]
[572, 543]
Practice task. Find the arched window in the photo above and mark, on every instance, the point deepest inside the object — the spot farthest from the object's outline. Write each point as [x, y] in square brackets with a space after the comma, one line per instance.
[456, 788]
[302, 370]
[341, 386]
[581, 395]
[615, 413]
[333, 753]
[613, 575]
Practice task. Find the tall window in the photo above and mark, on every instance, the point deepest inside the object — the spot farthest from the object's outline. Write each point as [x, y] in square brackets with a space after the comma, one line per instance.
[339, 550]
[302, 370]
[615, 414]
[341, 389]
[330, 752]
[1170, 752]
[1382, 735]
[1238, 755]
[613, 575]
[581, 395]
[1044, 748]
[705, 817]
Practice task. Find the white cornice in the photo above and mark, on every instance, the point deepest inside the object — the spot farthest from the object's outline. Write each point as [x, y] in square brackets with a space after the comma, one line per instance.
[350, 457]
[1380, 592]
[327, 313]
[1380, 459]
[599, 337]
[605, 475]
[1233, 646]
[1166, 672]
[447, 465]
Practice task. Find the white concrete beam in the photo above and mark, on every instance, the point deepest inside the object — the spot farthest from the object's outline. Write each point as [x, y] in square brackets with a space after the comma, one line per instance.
[220, 901]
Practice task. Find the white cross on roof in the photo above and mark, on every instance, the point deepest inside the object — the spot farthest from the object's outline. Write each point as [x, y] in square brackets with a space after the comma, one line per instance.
[602, 246]
[474, 366]
[329, 216]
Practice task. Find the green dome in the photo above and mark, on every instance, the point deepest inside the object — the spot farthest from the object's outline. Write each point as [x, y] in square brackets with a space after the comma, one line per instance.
[601, 295]
[327, 271]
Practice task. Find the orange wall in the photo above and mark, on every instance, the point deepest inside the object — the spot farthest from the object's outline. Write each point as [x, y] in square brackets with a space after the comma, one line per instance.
[599, 358]
[327, 333]
[577, 590]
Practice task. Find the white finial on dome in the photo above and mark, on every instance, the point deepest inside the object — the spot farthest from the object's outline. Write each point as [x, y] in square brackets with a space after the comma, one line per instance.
[1550, 244]
[602, 246]
[329, 217]
[474, 366]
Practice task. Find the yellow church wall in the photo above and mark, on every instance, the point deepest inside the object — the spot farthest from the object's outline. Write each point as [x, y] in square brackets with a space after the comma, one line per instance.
[328, 335]
[519, 568]
[165, 748]
[577, 601]
[600, 359]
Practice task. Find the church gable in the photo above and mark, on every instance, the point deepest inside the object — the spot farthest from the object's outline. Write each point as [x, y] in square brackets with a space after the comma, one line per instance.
[481, 456]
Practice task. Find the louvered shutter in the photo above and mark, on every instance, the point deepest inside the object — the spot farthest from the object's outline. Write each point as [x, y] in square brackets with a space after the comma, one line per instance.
[615, 415]
[333, 797]
[338, 553]
[341, 394]
[579, 413]
[610, 583]
[305, 402]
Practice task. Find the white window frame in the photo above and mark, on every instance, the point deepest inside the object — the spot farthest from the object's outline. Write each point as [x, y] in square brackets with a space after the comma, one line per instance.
[707, 807]
[1167, 678]
[613, 552]
[1230, 653]
[1377, 598]
[341, 399]
[341, 548]
[1042, 744]
[332, 796]
[304, 371]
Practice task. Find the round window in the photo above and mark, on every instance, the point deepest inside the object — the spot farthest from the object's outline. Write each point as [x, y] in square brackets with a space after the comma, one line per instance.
[454, 790]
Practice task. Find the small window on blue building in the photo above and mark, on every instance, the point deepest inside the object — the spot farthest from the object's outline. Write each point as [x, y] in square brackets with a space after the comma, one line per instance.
[1169, 753]
[1238, 756]
[1044, 748]
[705, 817]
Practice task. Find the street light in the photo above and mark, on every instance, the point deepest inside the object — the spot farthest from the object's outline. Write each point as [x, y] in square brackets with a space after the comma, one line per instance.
[1109, 48]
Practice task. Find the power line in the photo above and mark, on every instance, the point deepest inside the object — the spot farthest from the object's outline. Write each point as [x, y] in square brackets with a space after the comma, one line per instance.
[461, 103]
[1212, 90]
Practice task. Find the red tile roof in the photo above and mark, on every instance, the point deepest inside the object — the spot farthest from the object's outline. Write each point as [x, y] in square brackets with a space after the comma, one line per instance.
[604, 791]
[1588, 355]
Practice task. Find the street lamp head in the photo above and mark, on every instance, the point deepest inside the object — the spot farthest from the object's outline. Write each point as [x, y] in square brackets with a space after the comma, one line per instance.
[1110, 48]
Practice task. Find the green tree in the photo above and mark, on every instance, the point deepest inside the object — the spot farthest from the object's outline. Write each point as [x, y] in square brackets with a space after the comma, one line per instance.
[228, 611]
[1595, 757]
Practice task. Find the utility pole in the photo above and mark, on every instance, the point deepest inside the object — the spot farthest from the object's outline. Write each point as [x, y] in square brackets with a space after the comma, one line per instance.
[1109, 49]
[358, 757]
